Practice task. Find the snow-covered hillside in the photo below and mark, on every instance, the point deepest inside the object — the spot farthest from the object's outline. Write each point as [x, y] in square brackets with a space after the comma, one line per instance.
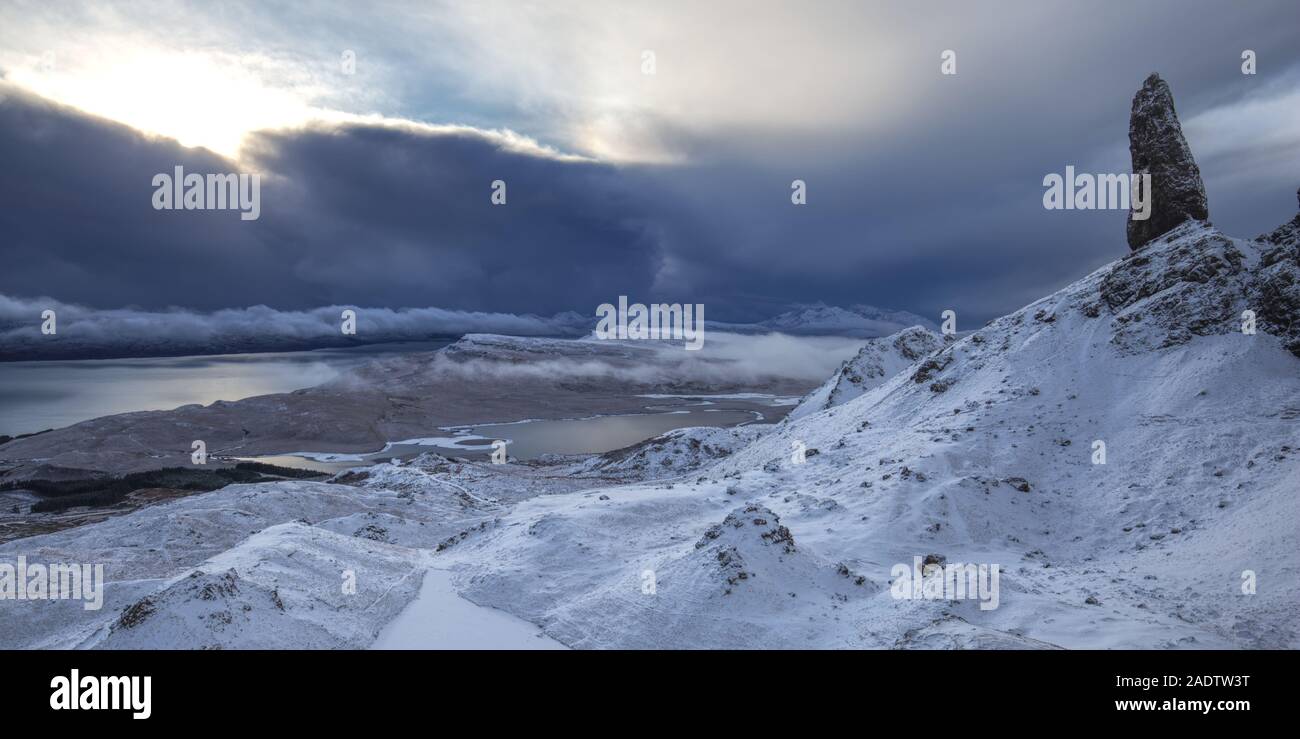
[980, 451]
[877, 361]
[673, 454]
[1114, 465]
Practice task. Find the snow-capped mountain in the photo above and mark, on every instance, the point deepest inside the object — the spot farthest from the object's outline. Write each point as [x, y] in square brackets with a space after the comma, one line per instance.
[820, 319]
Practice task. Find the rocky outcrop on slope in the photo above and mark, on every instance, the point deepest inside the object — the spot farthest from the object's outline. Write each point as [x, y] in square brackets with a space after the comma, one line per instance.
[752, 553]
[1158, 148]
[1287, 235]
[877, 361]
[280, 588]
[1198, 281]
[1193, 281]
[1277, 282]
[675, 453]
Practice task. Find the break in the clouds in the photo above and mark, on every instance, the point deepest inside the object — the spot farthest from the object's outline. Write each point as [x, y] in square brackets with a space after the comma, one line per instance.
[924, 191]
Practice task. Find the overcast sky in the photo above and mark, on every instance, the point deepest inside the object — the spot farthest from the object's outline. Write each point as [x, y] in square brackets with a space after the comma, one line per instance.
[924, 190]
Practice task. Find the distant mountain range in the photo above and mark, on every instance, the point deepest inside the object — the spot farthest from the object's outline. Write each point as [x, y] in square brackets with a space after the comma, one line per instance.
[820, 319]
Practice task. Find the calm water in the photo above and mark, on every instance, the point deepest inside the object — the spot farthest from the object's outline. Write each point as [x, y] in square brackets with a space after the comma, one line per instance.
[606, 433]
[532, 439]
[35, 396]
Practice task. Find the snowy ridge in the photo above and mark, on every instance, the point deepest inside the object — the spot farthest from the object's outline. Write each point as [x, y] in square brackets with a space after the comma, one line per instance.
[878, 360]
[675, 453]
[270, 592]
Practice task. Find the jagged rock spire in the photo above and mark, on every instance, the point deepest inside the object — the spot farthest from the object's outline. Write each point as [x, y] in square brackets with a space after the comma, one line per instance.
[1156, 143]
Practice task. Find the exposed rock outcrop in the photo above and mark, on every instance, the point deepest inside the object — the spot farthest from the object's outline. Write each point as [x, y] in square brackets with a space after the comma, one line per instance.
[1205, 281]
[1286, 235]
[1277, 282]
[1158, 148]
[878, 360]
[1193, 281]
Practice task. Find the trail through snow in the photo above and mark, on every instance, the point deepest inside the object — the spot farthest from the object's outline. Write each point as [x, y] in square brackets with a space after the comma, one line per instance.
[439, 618]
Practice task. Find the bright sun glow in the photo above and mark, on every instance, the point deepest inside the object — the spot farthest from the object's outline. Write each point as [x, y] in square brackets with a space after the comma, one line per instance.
[196, 98]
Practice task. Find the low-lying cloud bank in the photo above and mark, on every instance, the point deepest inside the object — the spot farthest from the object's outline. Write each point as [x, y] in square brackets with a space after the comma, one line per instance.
[82, 332]
[725, 359]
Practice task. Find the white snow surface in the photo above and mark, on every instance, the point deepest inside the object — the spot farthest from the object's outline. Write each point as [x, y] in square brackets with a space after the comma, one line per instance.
[981, 451]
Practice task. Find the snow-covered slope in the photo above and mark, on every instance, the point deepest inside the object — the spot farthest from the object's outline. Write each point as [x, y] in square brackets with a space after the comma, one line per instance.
[264, 566]
[987, 450]
[982, 453]
[281, 588]
[877, 361]
[246, 541]
[673, 454]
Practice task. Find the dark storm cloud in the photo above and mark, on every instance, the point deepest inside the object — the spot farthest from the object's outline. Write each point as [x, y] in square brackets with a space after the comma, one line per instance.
[77, 222]
[350, 214]
[83, 332]
[402, 216]
[943, 209]
[931, 200]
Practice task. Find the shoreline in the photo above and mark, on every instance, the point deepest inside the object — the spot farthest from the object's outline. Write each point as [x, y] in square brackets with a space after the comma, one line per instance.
[399, 397]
